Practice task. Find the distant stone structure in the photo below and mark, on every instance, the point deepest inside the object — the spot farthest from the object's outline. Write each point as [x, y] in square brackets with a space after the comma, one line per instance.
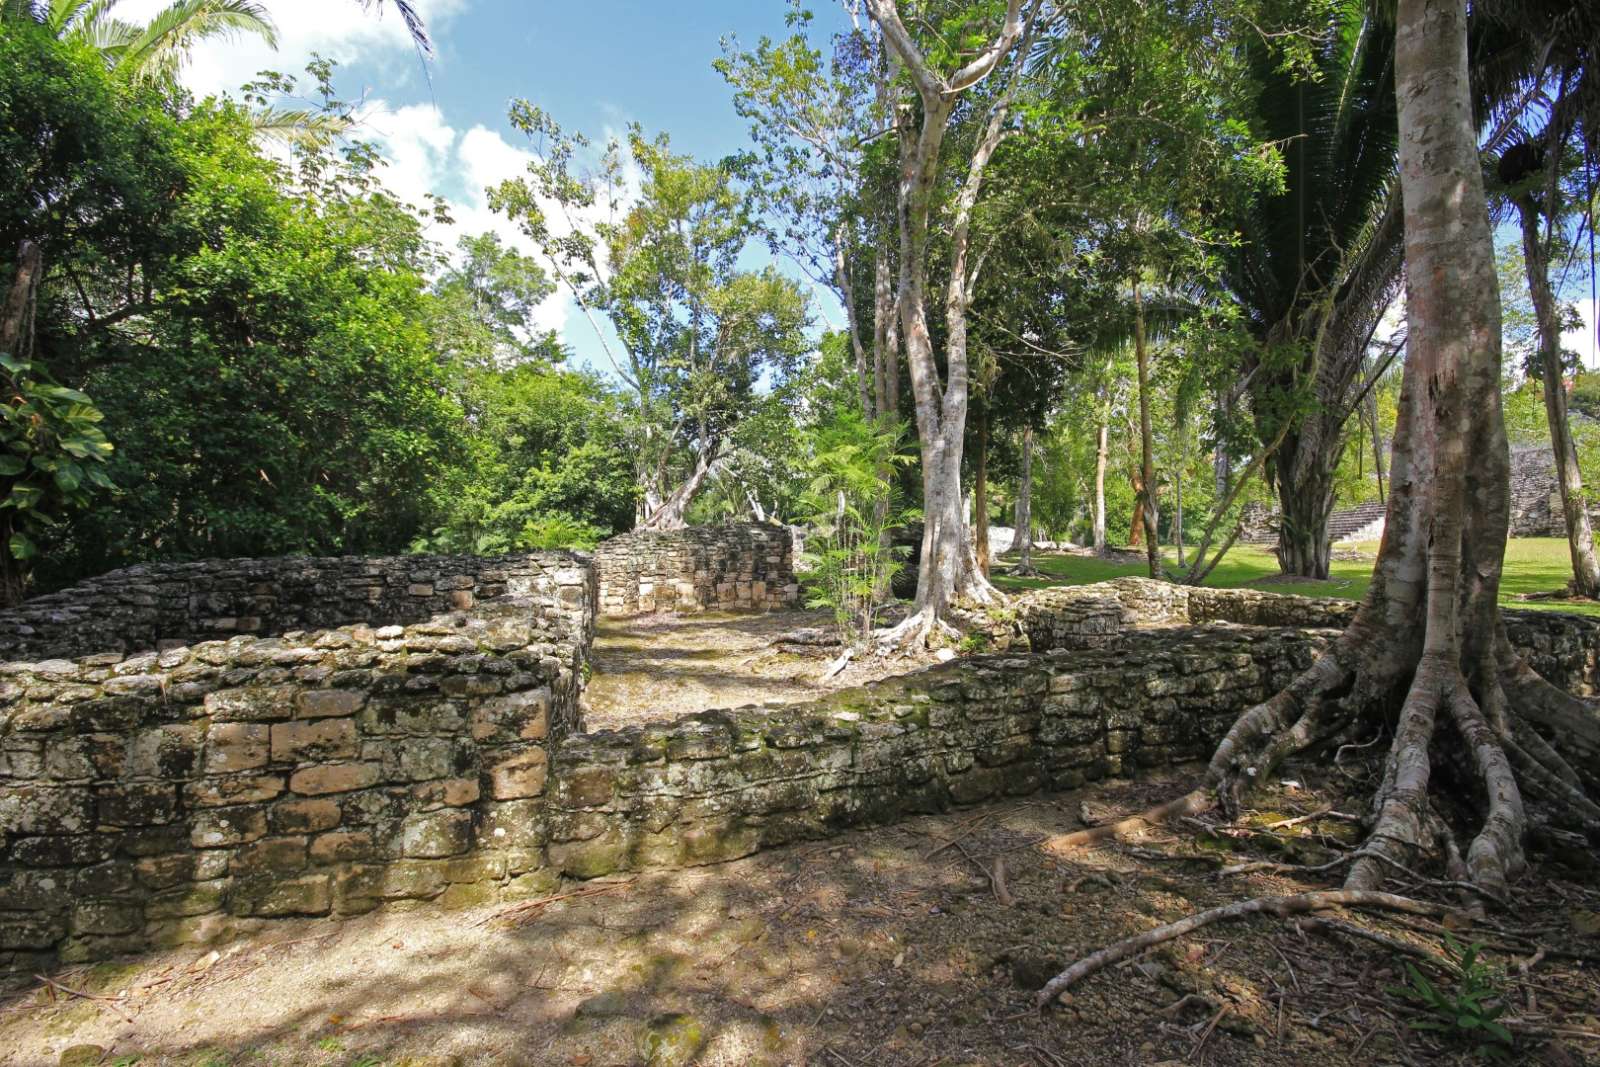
[736, 567]
[1535, 505]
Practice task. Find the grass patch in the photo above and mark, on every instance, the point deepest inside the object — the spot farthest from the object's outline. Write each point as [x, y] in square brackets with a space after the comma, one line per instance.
[1533, 565]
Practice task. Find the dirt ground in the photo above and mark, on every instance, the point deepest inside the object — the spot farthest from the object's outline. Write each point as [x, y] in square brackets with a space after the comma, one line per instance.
[651, 667]
[888, 947]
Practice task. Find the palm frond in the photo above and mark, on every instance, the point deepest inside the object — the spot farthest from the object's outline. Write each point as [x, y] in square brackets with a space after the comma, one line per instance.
[163, 44]
[297, 127]
[62, 15]
[413, 20]
[20, 10]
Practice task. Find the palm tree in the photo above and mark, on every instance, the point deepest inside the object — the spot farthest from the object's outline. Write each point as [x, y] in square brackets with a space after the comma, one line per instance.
[157, 50]
[1318, 265]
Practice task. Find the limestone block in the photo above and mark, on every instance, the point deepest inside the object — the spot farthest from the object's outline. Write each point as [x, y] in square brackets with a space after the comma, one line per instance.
[333, 778]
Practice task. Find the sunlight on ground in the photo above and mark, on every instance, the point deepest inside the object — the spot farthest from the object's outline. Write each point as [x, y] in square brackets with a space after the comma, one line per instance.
[1533, 565]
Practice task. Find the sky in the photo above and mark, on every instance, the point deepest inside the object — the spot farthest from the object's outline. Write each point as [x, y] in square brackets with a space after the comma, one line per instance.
[595, 66]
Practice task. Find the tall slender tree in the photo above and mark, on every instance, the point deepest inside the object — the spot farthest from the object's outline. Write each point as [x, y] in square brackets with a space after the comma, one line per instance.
[947, 568]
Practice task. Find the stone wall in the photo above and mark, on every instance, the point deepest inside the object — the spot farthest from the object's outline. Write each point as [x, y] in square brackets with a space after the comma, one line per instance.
[736, 567]
[194, 792]
[722, 784]
[153, 605]
[199, 792]
[1563, 647]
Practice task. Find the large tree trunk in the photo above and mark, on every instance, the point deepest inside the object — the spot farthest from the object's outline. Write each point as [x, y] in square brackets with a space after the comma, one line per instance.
[665, 509]
[1426, 656]
[16, 329]
[1580, 539]
[1102, 435]
[1304, 485]
[948, 570]
[1147, 450]
[1302, 465]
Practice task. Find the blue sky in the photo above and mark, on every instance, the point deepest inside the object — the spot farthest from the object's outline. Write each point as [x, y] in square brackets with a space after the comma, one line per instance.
[595, 66]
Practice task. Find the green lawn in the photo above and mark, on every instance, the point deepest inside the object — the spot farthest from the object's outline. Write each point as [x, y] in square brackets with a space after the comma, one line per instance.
[1533, 565]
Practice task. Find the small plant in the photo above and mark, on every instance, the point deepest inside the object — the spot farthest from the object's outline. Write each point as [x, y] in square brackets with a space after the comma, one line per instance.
[1466, 1012]
[973, 643]
[850, 507]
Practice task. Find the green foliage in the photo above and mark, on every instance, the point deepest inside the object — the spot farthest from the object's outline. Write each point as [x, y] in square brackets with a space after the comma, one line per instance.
[1466, 1011]
[52, 458]
[698, 335]
[849, 504]
[546, 467]
[84, 161]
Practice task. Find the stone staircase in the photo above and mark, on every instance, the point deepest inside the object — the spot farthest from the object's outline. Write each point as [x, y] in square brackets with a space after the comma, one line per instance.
[1364, 522]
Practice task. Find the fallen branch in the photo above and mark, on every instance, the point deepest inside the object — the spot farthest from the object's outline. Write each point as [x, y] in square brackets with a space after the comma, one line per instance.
[115, 1002]
[839, 664]
[1282, 907]
[529, 909]
[1393, 944]
[997, 881]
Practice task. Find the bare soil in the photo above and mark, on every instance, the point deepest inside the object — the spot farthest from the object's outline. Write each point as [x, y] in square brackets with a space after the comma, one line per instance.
[888, 947]
[651, 667]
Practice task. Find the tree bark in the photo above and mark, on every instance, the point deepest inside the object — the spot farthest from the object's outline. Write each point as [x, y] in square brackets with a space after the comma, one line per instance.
[1305, 503]
[18, 309]
[1147, 453]
[16, 329]
[980, 491]
[1580, 539]
[1022, 540]
[1101, 442]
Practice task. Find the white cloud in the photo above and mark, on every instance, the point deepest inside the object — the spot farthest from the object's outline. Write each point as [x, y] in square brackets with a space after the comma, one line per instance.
[342, 30]
[1582, 341]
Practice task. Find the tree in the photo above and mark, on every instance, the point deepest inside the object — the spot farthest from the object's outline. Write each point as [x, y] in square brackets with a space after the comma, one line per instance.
[52, 452]
[484, 307]
[275, 389]
[947, 568]
[697, 334]
[1318, 265]
[1430, 626]
[155, 51]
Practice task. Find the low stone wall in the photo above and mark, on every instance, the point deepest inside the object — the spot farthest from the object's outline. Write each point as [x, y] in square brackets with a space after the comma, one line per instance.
[199, 792]
[191, 793]
[722, 784]
[736, 567]
[1562, 647]
[152, 605]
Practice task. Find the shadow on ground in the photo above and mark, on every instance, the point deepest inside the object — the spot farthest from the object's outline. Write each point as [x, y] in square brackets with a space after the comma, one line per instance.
[887, 947]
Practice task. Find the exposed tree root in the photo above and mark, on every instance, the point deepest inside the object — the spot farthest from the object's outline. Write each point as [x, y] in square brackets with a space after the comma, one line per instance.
[1281, 906]
[1192, 803]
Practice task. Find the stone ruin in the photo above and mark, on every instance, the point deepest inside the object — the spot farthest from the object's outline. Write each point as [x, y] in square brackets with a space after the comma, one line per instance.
[735, 567]
[394, 748]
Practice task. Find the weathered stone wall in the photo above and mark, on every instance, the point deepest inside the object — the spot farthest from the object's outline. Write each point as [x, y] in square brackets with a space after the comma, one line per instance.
[194, 792]
[1564, 648]
[152, 605]
[199, 792]
[736, 567]
[721, 784]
